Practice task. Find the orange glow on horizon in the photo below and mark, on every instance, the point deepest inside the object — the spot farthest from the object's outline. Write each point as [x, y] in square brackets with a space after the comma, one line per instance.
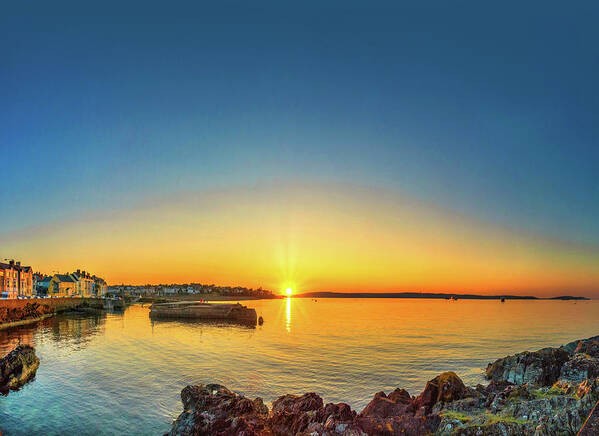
[311, 238]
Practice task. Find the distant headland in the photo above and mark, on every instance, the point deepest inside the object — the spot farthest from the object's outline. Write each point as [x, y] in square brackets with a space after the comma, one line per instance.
[429, 295]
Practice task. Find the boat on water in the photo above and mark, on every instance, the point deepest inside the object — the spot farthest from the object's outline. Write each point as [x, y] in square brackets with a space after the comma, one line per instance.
[204, 311]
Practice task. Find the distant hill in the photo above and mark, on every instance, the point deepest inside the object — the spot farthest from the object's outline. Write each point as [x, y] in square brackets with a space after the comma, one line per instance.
[426, 295]
[568, 297]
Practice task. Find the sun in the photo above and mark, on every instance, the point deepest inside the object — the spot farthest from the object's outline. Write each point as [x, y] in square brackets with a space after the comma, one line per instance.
[289, 291]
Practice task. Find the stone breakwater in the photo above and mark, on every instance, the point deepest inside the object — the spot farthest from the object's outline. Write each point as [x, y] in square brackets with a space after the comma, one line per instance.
[15, 312]
[552, 391]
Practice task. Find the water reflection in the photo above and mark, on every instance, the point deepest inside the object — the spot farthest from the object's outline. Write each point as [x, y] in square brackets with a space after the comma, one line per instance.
[11, 338]
[204, 322]
[77, 330]
[123, 374]
[288, 313]
[76, 327]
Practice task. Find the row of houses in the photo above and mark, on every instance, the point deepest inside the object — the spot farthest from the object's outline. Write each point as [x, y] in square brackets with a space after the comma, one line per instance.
[17, 281]
[191, 288]
[77, 284]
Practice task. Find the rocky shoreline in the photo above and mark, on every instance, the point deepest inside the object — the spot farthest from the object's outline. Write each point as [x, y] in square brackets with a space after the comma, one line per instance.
[17, 368]
[552, 391]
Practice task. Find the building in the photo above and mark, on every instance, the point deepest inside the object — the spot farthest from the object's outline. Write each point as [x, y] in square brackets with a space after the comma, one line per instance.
[100, 286]
[62, 285]
[85, 284]
[25, 281]
[43, 283]
[38, 278]
[168, 290]
[15, 280]
[8, 280]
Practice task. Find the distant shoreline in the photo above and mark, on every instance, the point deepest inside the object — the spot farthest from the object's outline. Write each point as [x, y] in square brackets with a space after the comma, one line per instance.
[429, 295]
[206, 297]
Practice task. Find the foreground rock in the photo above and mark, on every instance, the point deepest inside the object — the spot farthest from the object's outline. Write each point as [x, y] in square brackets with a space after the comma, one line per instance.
[591, 426]
[547, 392]
[540, 367]
[17, 368]
[214, 410]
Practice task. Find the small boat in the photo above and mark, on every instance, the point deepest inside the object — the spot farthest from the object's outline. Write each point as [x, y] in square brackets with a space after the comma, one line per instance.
[204, 311]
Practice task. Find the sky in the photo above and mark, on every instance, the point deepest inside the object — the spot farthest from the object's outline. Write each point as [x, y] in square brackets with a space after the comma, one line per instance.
[340, 146]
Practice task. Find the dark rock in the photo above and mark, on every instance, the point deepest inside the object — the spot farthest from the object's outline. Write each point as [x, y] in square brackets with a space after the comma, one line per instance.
[292, 414]
[17, 368]
[496, 429]
[400, 396]
[589, 346]
[214, 410]
[295, 404]
[396, 414]
[384, 407]
[305, 414]
[444, 388]
[511, 393]
[591, 425]
[408, 425]
[493, 388]
[336, 419]
[580, 367]
[540, 367]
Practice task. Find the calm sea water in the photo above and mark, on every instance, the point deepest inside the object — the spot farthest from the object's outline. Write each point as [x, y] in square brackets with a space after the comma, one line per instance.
[122, 373]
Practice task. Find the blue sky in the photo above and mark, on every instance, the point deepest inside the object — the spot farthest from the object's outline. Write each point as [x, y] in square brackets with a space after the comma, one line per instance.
[490, 110]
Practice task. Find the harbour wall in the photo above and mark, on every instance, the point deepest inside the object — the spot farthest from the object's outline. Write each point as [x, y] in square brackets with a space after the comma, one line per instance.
[18, 312]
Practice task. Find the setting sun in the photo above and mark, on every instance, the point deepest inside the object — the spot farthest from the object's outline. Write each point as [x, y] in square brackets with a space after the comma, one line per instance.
[289, 291]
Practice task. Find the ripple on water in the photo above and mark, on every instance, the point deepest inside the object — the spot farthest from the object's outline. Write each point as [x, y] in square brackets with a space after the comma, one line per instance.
[122, 373]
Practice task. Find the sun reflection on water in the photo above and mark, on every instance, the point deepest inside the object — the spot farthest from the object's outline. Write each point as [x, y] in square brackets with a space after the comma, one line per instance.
[288, 313]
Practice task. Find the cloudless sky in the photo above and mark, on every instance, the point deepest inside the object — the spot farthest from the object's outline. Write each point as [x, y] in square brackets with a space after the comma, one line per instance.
[488, 111]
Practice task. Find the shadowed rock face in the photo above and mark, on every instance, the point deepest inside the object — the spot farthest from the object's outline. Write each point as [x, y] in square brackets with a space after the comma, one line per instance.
[393, 414]
[17, 368]
[540, 367]
[444, 388]
[306, 415]
[588, 346]
[580, 367]
[214, 410]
